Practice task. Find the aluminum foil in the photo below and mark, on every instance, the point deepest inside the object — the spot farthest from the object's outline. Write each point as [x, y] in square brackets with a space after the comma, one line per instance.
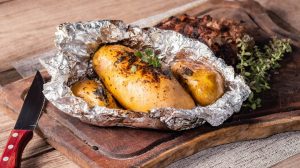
[77, 42]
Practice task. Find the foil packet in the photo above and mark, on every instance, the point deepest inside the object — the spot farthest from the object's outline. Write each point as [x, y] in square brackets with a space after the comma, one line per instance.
[77, 42]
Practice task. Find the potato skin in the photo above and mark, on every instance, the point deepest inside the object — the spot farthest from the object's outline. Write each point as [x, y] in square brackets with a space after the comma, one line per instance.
[204, 83]
[142, 90]
[93, 93]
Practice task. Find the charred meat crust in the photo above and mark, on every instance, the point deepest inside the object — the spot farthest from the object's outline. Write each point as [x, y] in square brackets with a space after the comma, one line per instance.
[219, 35]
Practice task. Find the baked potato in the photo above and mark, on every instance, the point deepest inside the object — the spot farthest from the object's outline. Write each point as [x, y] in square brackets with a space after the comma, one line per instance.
[93, 93]
[204, 83]
[135, 84]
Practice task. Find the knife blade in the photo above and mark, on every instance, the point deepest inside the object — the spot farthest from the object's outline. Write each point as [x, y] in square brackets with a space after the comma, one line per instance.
[26, 122]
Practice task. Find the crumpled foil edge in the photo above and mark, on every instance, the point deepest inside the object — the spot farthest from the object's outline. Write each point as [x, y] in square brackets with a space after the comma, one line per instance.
[76, 43]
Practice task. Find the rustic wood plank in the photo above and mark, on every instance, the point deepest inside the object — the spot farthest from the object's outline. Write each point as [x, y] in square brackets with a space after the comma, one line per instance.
[9, 76]
[68, 136]
[38, 153]
[287, 11]
[81, 150]
[277, 5]
[27, 27]
[261, 153]
[291, 162]
[53, 159]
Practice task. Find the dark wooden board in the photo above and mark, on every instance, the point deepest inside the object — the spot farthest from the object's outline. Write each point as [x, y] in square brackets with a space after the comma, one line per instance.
[91, 146]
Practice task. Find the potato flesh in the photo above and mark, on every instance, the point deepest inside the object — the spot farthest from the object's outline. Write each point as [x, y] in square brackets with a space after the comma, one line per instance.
[204, 83]
[141, 90]
[93, 93]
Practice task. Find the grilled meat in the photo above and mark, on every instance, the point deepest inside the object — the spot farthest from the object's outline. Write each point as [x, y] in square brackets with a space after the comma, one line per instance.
[219, 35]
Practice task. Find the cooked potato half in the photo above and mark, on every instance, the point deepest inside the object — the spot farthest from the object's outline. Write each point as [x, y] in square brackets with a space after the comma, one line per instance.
[136, 85]
[204, 83]
[93, 93]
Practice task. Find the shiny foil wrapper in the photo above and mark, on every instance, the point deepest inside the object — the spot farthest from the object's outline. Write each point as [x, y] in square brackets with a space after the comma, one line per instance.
[77, 42]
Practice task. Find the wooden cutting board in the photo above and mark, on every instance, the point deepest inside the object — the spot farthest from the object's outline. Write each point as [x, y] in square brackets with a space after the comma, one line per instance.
[91, 146]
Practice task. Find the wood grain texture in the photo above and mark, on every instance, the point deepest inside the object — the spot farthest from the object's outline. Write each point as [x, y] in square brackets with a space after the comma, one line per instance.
[291, 162]
[288, 12]
[51, 159]
[27, 27]
[91, 146]
[9, 76]
[54, 159]
[261, 153]
[38, 153]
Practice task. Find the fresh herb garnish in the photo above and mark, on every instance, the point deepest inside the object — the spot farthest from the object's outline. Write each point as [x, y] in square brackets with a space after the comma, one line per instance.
[133, 69]
[149, 57]
[255, 64]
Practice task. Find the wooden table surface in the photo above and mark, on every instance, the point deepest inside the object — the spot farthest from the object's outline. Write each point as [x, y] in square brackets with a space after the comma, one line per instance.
[27, 28]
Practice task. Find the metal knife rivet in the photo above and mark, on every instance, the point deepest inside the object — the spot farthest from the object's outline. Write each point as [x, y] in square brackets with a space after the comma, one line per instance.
[5, 159]
[10, 146]
[15, 134]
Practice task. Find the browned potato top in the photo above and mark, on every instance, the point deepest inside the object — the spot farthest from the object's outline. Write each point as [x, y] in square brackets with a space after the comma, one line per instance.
[93, 93]
[141, 89]
[204, 83]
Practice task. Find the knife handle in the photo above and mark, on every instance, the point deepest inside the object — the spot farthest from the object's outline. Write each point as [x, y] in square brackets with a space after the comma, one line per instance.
[12, 155]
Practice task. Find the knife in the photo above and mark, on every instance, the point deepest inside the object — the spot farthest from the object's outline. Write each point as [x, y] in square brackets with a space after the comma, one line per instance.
[27, 121]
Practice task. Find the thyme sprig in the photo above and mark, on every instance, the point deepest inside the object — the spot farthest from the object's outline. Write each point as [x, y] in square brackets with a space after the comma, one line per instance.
[149, 57]
[256, 63]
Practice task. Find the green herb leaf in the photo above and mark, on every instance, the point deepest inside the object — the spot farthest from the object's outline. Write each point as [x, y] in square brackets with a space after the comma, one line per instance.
[138, 54]
[253, 106]
[247, 74]
[149, 51]
[149, 57]
[256, 63]
[145, 58]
